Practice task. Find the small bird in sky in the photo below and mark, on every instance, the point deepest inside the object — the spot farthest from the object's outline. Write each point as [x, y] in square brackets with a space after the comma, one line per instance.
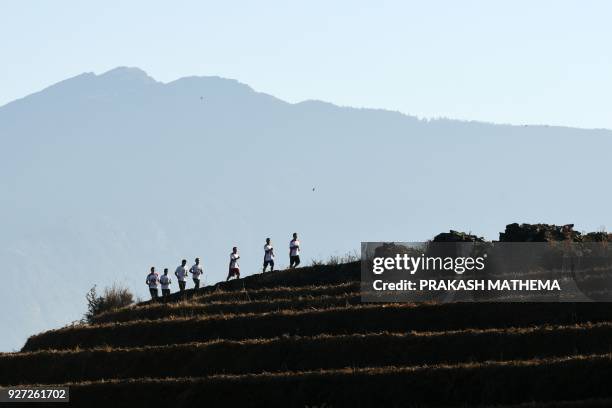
[313, 189]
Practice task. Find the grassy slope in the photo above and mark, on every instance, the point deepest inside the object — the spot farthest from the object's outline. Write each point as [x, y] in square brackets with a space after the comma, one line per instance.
[471, 383]
[159, 311]
[307, 353]
[357, 319]
[299, 357]
[271, 293]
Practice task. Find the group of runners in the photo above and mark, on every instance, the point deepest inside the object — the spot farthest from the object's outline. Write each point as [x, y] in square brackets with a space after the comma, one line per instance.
[154, 280]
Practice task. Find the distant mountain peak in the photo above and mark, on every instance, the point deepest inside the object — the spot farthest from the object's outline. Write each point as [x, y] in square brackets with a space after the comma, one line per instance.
[127, 74]
[212, 83]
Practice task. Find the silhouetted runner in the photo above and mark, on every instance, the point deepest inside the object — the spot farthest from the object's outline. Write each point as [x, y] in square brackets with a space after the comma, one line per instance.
[294, 251]
[152, 281]
[165, 283]
[181, 274]
[268, 256]
[196, 271]
[234, 268]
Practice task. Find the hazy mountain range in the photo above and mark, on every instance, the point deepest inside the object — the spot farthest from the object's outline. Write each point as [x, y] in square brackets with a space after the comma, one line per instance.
[104, 175]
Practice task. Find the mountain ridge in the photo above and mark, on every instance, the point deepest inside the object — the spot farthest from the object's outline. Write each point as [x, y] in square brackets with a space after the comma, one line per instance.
[125, 74]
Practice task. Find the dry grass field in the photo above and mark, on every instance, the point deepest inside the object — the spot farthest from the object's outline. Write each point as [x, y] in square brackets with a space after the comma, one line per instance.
[302, 338]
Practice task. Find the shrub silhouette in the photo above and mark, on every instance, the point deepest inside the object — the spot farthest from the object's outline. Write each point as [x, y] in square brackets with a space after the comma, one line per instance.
[114, 297]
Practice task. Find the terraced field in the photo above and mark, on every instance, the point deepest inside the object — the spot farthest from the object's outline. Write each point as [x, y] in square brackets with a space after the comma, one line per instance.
[302, 338]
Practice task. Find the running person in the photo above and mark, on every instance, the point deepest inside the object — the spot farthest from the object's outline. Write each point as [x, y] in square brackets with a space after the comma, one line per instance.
[294, 251]
[234, 268]
[165, 283]
[181, 274]
[196, 271]
[152, 281]
[268, 256]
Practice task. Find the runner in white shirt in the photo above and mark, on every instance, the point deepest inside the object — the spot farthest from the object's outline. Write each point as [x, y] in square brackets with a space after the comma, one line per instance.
[234, 268]
[196, 271]
[152, 281]
[294, 251]
[165, 283]
[268, 256]
[181, 274]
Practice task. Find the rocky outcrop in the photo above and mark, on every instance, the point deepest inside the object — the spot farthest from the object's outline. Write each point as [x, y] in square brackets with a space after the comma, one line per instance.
[456, 236]
[390, 249]
[539, 233]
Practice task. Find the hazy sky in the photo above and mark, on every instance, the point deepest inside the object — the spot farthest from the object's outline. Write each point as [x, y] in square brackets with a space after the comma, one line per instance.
[513, 61]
